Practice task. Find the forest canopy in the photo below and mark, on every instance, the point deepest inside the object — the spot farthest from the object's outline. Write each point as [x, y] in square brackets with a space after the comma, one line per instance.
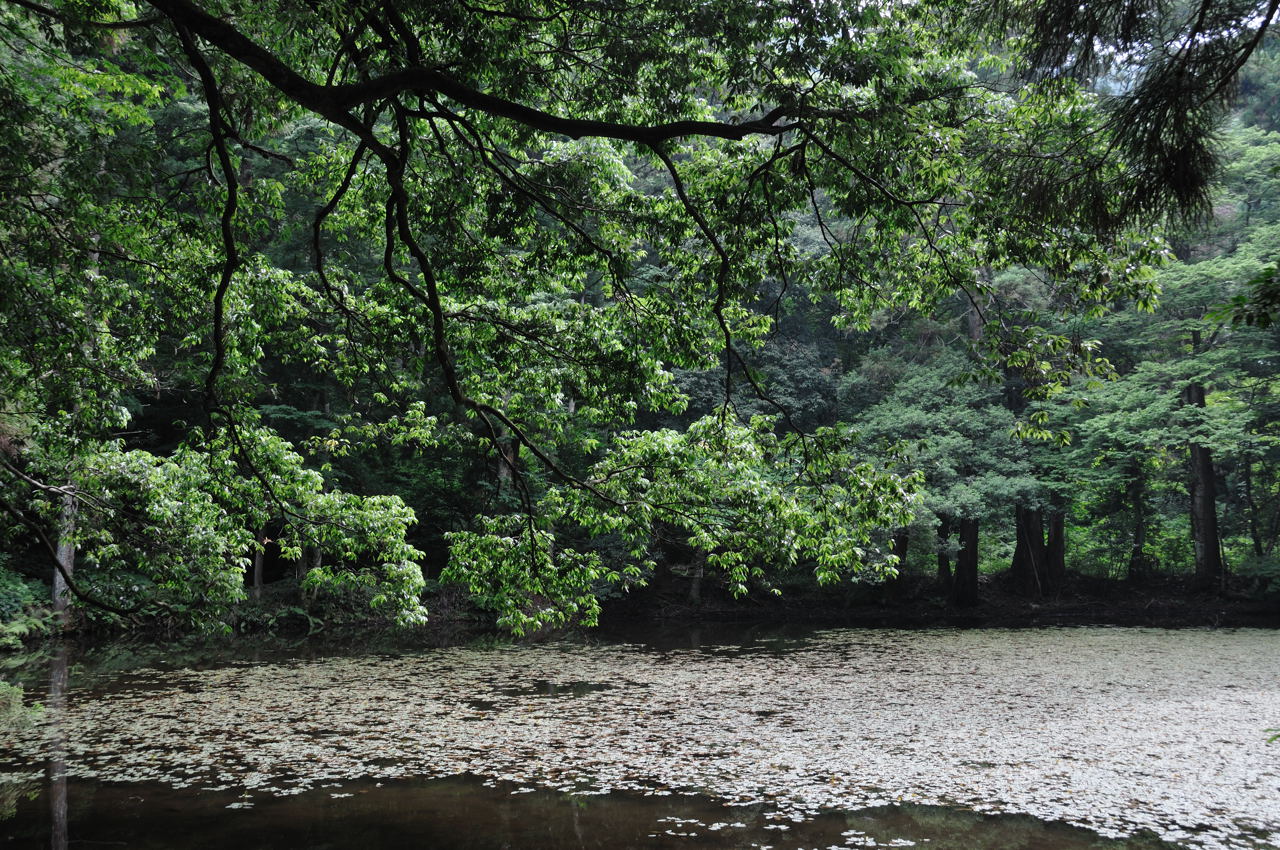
[251, 249]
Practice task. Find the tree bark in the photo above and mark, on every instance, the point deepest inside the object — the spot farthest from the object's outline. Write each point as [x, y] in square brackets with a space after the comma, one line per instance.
[258, 554]
[901, 541]
[312, 559]
[1210, 571]
[695, 581]
[66, 557]
[899, 546]
[1251, 505]
[1029, 555]
[508, 457]
[964, 589]
[1055, 557]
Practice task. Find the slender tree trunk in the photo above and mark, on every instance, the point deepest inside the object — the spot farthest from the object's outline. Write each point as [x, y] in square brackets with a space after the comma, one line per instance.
[1204, 511]
[66, 558]
[312, 559]
[901, 542]
[695, 581]
[70, 507]
[258, 553]
[1020, 564]
[964, 589]
[508, 457]
[1251, 505]
[974, 319]
[1139, 564]
[944, 555]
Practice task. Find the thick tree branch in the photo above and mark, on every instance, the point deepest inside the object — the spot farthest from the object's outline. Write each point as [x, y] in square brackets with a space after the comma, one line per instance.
[335, 102]
[49, 12]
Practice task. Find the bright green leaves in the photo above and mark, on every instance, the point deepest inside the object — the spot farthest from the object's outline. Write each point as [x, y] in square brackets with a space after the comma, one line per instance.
[955, 434]
[749, 501]
[169, 538]
[447, 259]
[514, 568]
[362, 538]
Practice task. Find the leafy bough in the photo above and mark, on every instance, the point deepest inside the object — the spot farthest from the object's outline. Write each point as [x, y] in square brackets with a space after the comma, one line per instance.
[748, 498]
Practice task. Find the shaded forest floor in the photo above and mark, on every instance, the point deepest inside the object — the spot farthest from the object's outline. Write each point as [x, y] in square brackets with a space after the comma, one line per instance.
[920, 604]
[664, 610]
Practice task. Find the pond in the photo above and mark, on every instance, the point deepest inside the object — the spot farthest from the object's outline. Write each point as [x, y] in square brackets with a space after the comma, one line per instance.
[1050, 739]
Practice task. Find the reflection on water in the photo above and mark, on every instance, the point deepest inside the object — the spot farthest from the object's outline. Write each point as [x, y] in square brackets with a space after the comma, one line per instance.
[57, 771]
[462, 813]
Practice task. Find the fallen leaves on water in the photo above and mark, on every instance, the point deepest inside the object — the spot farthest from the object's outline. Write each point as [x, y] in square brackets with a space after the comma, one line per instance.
[1114, 730]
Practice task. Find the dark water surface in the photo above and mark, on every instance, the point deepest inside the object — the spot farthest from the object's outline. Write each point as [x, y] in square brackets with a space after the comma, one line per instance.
[464, 812]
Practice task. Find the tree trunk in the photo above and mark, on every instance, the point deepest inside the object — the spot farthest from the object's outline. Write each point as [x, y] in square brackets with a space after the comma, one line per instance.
[508, 457]
[1139, 563]
[66, 558]
[944, 556]
[508, 451]
[901, 541]
[1251, 505]
[1029, 556]
[258, 554]
[974, 319]
[964, 589]
[695, 581]
[1055, 556]
[312, 559]
[1204, 512]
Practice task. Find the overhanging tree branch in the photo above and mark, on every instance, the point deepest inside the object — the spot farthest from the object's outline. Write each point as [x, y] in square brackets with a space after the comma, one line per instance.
[52, 550]
[336, 101]
[57, 15]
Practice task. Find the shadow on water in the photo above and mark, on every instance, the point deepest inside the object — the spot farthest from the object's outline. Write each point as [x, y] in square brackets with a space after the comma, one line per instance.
[467, 813]
[714, 637]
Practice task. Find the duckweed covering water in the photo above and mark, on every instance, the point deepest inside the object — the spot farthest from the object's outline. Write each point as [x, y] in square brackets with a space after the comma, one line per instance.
[1120, 731]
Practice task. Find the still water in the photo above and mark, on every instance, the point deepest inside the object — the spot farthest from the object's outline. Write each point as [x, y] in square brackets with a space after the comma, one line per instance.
[452, 814]
[1047, 739]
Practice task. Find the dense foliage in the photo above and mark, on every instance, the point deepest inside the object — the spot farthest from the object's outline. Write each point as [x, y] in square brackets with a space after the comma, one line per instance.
[530, 295]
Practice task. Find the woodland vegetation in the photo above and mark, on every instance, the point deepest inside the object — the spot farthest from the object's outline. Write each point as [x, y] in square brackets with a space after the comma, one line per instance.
[354, 305]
